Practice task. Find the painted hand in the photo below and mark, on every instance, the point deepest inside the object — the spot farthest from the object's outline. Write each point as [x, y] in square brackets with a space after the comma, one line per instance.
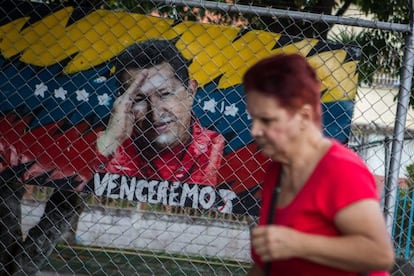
[123, 117]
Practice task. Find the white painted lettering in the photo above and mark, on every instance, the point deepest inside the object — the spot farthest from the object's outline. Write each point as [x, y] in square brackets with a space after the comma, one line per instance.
[126, 189]
[227, 196]
[152, 193]
[111, 185]
[139, 191]
[162, 192]
[207, 197]
[100, 185]
[173, 195]
[187, 192]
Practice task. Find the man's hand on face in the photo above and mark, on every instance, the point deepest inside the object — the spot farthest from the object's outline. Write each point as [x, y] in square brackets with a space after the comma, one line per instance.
[123, 117]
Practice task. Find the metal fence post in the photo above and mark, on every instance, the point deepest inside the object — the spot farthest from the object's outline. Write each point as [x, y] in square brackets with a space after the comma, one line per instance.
[404, 94]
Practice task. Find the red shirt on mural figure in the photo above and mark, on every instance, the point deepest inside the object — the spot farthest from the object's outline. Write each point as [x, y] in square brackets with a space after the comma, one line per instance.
[195, 163]
[327, 217]
[151, 132]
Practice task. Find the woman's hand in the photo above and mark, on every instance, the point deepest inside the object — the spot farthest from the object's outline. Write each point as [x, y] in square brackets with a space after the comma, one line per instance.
[363, 233]
[276, 242]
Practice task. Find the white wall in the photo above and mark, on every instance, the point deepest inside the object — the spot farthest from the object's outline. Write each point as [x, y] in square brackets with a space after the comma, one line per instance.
[378, 105]
[134, 229]
[376, 109]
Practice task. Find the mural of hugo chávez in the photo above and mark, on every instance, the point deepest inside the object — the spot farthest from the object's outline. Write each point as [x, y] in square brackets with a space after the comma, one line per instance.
[152, 132]
[154, 137]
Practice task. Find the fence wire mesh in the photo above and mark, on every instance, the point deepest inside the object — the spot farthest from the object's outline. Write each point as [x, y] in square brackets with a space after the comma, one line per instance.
[72, 201]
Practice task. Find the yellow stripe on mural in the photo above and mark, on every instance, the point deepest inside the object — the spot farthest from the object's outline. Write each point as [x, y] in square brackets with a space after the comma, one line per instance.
[339, 79]
[114, 33]
[10, 33]
[209, 48]
[96, 38]
[215, 50]
[254, 46]
[43, 33]
[69, 44]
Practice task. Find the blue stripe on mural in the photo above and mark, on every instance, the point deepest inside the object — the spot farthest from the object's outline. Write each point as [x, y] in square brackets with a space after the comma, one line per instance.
[337, 117]
[58, 95]
[55, 95]
[225, 111]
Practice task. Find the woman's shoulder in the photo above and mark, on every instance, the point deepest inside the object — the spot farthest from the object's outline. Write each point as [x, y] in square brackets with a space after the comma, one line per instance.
[345, 166]
[340, 154]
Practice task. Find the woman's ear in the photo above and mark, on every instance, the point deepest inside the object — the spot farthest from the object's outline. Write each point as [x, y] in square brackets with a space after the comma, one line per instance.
[306, 114]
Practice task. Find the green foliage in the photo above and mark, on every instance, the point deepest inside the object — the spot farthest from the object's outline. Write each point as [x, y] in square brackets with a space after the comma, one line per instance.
[410, 175]
[396, 11]
[383, 50]
[381, 53]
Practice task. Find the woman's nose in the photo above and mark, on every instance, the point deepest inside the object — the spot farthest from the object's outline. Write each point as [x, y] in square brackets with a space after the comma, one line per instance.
[256, 129]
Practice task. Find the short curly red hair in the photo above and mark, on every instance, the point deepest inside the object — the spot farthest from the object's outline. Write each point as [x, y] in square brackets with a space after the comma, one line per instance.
[290, 79]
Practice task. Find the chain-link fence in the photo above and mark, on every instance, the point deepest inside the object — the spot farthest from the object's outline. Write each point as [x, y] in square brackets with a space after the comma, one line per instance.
[72, 201]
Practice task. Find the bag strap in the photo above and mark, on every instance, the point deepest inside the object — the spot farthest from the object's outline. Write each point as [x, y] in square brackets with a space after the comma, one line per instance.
[272, 213]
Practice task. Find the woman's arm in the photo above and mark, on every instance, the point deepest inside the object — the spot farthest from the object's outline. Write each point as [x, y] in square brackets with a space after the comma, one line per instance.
[364, 246]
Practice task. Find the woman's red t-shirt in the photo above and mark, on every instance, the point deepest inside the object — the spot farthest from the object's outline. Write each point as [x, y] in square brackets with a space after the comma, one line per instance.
[340, 179]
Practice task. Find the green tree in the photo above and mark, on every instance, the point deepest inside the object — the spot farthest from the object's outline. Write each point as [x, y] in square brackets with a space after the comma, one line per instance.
[383, 50]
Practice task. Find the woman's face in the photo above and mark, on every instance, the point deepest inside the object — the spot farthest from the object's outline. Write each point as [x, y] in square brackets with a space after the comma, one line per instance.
[275, 129]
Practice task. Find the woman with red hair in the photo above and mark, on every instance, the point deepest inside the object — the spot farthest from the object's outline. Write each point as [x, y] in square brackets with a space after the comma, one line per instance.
[320, 212]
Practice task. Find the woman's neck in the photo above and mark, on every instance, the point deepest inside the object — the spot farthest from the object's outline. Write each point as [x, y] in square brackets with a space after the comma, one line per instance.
[303, 161]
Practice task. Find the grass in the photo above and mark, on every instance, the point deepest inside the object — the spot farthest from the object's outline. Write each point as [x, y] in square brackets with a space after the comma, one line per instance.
[105, 261]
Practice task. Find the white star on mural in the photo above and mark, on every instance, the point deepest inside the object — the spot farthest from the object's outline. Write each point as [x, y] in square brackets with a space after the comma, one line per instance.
[82, 95]
[103, 99]
[231, 110]
[210, 105]
[100, 79]
[60, 93]
[40, 89]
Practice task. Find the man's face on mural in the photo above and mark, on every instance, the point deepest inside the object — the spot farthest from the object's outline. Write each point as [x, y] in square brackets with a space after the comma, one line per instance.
[161, 106]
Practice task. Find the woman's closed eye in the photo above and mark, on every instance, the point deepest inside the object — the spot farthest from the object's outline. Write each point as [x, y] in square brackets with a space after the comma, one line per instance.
[266, 121]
